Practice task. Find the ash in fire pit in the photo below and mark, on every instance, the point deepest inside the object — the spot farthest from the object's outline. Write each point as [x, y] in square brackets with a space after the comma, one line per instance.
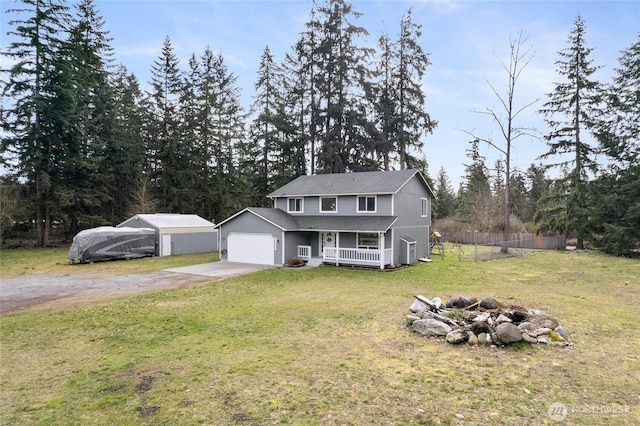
[485, 321]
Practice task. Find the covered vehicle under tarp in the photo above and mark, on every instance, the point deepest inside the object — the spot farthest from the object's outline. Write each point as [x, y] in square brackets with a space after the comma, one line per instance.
[109, 243]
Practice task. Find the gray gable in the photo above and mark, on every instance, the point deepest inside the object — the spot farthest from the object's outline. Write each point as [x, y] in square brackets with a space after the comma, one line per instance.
[380, 182]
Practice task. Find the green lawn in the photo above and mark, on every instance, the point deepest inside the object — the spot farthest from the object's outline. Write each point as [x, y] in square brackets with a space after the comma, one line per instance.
[55, 261]
[328, 346]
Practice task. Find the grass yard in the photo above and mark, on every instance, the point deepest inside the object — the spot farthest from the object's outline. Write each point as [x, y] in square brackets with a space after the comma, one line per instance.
[55, 261]
[329, 346]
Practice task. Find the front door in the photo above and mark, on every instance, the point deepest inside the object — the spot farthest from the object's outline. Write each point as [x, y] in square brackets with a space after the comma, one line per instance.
[328, 240]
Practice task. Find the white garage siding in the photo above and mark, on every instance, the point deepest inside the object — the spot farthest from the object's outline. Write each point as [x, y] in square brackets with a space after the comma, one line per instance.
[251, 248]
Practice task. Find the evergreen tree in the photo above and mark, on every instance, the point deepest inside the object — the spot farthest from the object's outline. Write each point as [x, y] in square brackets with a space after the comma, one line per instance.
[519, 196]
[445, 200]
[192, 156]
[81, 189]
[267, 133]
[411, 64]
[30, 143]
[205, 87]
[615, 195]
[570, 110]
[301, 68]
[538, 186]
[225, 136]
[474, 198]
[126, 164]
[385, 105]
[341, 79]
[166, 86]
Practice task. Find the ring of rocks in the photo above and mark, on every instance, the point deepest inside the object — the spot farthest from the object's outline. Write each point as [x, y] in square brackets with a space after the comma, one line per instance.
[486, 321]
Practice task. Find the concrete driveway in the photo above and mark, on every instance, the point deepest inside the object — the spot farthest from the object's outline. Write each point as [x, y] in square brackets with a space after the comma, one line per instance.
[222, 269]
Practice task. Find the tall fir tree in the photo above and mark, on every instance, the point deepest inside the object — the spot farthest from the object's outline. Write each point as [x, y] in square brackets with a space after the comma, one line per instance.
[615, 194]
[266, 131]
[126, 164]
[341, 80]
[226, 134]
[571, 110]
[474, 197]
[82, 187]
[538, 189]
[385, 107]
[411, 65]
[166, 86]
[301, 68]
[34, 85]
[445, 198]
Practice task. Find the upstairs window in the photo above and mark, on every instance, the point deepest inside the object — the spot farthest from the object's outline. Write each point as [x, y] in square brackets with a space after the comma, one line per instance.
[425, 207]
[367, 204]
[295, 205]
[328, 204]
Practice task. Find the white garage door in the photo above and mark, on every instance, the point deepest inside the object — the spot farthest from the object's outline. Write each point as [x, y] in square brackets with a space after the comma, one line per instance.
[250, 248]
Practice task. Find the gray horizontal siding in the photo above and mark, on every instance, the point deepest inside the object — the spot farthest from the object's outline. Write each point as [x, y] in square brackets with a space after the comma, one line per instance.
[202, 242]
[347, 206]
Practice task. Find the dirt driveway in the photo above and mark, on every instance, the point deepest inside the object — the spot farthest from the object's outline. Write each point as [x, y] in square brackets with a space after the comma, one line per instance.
[43, 291]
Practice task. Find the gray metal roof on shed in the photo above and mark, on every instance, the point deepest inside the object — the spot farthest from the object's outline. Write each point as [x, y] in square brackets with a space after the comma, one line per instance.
[379, 182]
[168, 220]
[287, 222]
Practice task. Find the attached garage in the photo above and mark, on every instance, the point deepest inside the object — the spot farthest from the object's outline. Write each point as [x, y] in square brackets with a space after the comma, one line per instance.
[252, 236]
[177, 233]
[251, 248]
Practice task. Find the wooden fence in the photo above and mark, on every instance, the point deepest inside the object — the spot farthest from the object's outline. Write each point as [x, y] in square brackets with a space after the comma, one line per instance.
[516, 240]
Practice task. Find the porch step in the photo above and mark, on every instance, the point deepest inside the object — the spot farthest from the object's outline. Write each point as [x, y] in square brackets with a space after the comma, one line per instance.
[314, 261]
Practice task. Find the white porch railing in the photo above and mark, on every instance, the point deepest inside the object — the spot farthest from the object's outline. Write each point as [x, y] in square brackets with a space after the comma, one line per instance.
[304, 252]
[369, 257]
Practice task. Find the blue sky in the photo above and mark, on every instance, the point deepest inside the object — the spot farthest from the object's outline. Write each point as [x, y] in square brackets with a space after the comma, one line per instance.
[468, 42]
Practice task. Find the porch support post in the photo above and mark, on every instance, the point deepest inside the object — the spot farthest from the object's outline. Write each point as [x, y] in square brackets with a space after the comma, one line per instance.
[381, 249]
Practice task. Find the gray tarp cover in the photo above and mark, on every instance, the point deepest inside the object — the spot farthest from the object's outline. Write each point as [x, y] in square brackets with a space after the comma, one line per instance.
[107, 243]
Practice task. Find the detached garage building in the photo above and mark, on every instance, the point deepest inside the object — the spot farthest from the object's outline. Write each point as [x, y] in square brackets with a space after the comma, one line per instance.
[177, 233]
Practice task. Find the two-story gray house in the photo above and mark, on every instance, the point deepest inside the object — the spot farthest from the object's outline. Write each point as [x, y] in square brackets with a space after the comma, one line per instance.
[377, 219]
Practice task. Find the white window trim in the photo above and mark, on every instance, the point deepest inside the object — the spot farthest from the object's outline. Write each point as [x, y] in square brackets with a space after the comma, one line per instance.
[328, 211]
[375, 198]
[424, 207]
[301, 205]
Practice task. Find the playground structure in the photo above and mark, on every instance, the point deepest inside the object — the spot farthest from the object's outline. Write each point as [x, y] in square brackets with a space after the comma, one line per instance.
[436, 243]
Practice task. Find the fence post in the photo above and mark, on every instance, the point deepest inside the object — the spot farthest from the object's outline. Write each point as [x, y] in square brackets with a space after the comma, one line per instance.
[475, 234]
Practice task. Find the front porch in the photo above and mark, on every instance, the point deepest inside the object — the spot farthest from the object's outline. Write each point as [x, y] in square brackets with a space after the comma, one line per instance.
[378, 258]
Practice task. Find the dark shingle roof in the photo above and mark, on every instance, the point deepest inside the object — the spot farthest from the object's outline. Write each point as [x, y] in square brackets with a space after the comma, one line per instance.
[288, 222]
[276, 216]
[381, 182]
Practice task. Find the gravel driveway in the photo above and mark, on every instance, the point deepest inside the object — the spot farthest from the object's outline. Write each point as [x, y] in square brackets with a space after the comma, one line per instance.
[30, 291]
